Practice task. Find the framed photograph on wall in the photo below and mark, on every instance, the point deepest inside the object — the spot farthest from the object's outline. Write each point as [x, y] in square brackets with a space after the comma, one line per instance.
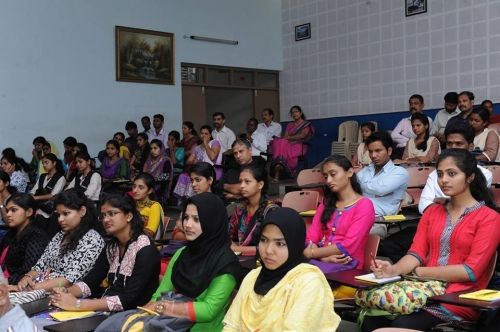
[303, 31]
[414, 7]
[144, 56]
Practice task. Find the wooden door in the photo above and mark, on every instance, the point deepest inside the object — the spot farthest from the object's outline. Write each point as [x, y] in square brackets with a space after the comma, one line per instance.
[266, 99]
[194, 105]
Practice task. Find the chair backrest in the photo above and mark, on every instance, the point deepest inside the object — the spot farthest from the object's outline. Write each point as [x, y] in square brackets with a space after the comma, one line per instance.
[163, 229]
[496, 195]
[353, 149]
[371, 247]
[308, 176]
[491, 266]
[417, 176]
[340, 148]
[301, 200]
[348, 131]
[494, 126]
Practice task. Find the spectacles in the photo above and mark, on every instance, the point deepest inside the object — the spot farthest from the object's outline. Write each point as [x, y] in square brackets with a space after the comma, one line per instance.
[110, 214]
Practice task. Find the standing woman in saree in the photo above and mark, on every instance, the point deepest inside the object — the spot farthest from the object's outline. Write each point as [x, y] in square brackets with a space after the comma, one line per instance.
[287, 150]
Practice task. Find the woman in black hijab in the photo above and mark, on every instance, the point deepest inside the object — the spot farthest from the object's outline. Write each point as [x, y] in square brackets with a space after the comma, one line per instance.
[285, 294]
[206, 270]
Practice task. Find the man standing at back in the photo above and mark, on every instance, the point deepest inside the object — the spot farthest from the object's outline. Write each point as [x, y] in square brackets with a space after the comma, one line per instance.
[382, 181]
[443, 116]
[403, 131]
[465, 105]
[222, 133]
[158, 132]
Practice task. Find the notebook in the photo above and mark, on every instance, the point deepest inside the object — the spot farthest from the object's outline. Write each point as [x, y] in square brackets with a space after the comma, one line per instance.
[370, 278]
[395, 217]
[488, 295]
[63, 316]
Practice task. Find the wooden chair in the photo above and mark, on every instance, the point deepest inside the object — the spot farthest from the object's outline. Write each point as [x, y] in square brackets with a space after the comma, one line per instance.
[371, 247]
[417, 176]
[309, 176]
[301, 200]
[494, 126]
[496, 195]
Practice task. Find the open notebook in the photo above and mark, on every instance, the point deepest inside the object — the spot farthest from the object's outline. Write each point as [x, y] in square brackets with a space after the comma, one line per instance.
[370, 278]
[63, 316]
[488, 295]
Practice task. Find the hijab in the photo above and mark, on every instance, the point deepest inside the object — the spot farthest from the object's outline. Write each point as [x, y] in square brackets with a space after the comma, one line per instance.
[294, 231]
[209, 255]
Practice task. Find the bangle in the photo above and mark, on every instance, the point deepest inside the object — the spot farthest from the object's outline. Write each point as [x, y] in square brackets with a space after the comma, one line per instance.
[312, 252]
[414, 271]
[78, 303]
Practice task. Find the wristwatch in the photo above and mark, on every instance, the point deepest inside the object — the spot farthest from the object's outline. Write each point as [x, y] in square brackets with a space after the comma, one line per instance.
[160, 307]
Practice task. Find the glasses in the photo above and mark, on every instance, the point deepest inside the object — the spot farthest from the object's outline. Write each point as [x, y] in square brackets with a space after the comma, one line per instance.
[110, 214]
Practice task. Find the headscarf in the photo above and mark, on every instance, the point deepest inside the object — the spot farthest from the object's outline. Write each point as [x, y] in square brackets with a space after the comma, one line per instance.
[209, 255]
[294, 231]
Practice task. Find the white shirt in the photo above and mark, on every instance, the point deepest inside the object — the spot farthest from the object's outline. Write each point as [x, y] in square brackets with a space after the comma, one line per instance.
[432, 190]
[274, 129]
[259, 143]
[162, 136]
[225, 136]
[403, 132]
[58, 188]
[94, 188]
[441, 119]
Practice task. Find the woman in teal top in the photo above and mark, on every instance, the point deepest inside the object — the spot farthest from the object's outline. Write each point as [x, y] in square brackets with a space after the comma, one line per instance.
[206, 270]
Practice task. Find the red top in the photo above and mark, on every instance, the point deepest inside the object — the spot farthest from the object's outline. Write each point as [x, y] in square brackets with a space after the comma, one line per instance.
[473, 242]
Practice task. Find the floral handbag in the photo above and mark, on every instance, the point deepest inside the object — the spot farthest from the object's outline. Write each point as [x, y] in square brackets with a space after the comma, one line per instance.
[400, 297]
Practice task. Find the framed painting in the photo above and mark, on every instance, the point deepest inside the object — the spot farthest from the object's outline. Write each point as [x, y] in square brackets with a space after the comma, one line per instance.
[144, 56]
[303, 31]
[414, 7]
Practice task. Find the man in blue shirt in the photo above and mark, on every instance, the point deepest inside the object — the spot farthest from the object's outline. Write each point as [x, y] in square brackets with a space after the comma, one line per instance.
[382, 181]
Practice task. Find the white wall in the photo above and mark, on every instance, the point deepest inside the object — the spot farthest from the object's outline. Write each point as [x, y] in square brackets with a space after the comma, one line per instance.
[57, 64]
[366, 57]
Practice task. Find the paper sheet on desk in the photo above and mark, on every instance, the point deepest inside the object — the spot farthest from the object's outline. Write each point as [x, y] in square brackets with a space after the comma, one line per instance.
[63, 316]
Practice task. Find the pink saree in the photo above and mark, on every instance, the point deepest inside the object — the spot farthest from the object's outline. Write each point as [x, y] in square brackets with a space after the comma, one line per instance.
[287, 152]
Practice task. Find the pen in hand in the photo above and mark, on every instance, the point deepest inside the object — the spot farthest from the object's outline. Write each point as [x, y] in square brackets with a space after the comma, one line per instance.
[373, 260]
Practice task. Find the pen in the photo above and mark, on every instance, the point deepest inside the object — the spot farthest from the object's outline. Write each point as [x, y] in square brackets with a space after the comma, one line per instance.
[373, 259]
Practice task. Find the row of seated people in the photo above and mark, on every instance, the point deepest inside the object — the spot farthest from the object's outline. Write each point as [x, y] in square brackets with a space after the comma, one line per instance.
[332, 243]
[417, 138]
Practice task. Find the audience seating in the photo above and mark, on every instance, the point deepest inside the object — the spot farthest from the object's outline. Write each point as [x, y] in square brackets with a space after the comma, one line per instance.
[371, 247]
[494, 126]
[495, 170]
[301, 201]
[417, 176]
[347, 133]
[309, 176]
[496, 195]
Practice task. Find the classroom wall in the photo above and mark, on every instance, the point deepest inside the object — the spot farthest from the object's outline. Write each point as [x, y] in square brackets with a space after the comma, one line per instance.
[366, 57]
[57, 65]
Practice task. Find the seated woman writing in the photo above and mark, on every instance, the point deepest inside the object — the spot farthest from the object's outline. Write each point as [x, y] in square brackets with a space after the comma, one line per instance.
[72, 252]
[285, 294]
[149, 209]
[455, 242]
[130, 268]
[340, 228]
[287, 150]
[244, 227]
[204, 272]
[24, 243]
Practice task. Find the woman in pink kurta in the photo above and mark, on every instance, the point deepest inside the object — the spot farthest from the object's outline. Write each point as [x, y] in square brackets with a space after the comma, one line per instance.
[337, 236]
[455, 242]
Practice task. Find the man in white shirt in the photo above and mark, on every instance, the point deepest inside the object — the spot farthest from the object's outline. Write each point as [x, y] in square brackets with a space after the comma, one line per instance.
[450, 110]
[268, 127]
[158, 132]
[222, 133]
[255, 137]
[403, 131]
[458, 137]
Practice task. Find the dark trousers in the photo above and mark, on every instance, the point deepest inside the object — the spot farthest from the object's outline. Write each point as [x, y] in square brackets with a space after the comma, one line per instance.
[396, 245]
[421, 320]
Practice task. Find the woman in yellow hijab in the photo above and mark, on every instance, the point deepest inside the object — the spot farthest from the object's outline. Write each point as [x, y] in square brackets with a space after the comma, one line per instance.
[285, 294]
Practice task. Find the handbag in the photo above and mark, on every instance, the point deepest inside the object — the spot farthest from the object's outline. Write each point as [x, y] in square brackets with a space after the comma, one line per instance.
[400, 297]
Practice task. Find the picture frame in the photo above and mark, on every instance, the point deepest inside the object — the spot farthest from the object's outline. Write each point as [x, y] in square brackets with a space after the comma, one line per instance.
[144, 56]
[415, 7]
[303, 31]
